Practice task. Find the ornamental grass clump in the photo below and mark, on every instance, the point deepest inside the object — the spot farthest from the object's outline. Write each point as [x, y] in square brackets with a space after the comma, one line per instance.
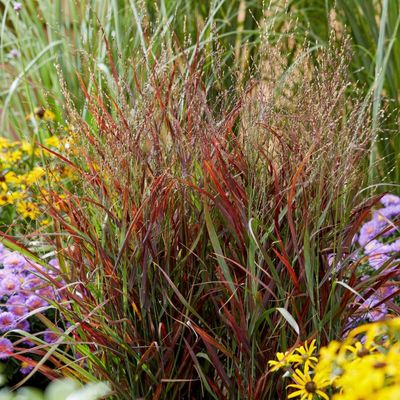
[199, 244]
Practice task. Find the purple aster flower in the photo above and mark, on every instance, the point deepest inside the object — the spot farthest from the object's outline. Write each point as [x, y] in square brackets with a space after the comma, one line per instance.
[387, 213]
[54, 263]
[375, 247]
[377, 260]
[24, 326]
[46, 292]
[51, 336]
[31, 283]
[28, 342]
[388, 231]
[14, 261]
[34, 302]
[395, 246]
[6, 348]
[369, 308]
[7, 321]
[390, 199]
[10, 284]
[16, 305]
[17, 6]
[375, 312]
[369, 230]
[26, 366]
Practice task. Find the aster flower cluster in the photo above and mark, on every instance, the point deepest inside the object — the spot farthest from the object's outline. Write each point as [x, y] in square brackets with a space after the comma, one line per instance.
[379, 251]
[379, 237]
[366, 365]
[23, 293]
[379, 242]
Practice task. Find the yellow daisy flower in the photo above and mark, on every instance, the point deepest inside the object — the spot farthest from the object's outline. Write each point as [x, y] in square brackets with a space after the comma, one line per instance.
[283, 360]
[35, 175]
[27, 209]
[361, 350]
[306, 355]
[5, 199]
[41, 113]
[307, 386]
[13, 178]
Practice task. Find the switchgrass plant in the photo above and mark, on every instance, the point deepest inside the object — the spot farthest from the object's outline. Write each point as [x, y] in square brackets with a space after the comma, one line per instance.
[199, 245]
[199, 240]
[374, 27]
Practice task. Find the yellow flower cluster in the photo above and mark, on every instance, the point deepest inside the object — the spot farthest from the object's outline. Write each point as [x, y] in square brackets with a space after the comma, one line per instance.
[365, 366]
[301, 364]
[22, 178]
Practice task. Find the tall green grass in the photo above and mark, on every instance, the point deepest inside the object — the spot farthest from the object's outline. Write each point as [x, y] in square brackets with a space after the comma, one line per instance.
[62, 38]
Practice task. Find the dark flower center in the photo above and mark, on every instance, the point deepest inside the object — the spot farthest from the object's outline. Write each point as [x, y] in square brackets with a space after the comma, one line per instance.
[2, 178]
[40, 112]
[311, 387]
[363, 352]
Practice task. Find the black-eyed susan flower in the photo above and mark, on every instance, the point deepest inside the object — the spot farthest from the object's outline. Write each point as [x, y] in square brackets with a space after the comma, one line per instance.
[5, 199]
[308, 386]
[19, 195]
[26, 147]
[27, 209]
[307, 356]
[12, 178]
[41, 113]
[283, 361]
[361, 349]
